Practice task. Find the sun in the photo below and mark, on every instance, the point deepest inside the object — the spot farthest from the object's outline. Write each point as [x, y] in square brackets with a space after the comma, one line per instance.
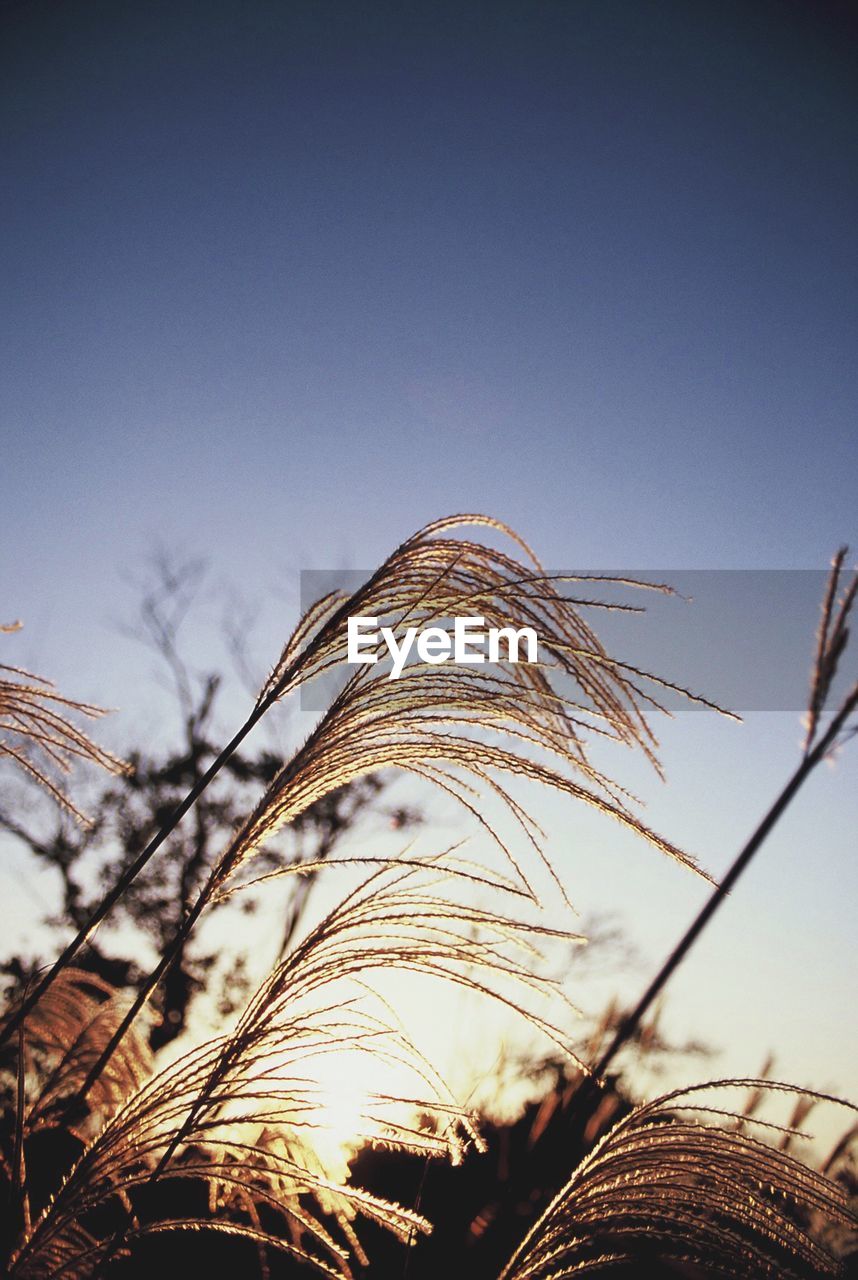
[355, 1100]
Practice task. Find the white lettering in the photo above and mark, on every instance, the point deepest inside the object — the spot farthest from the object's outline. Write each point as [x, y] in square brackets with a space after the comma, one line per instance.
[358, 641]
[399, 652]
[436, 644]
[433, 645]
[464, 637]
[512, 641]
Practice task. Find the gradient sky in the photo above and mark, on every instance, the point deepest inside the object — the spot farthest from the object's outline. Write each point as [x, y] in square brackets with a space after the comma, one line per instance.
[283, 281]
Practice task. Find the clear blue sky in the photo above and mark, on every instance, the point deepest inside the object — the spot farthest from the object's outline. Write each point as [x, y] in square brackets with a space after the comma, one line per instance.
[283, 281]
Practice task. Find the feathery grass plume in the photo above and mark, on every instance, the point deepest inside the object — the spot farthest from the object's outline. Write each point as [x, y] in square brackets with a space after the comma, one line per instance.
[375, 723]
[235, 1113]
[831, 639]
[433, 722]
[57, 1045]
[431, 577]
[62, 1038]
[427, 721]
[37, 734]
[667, 1186]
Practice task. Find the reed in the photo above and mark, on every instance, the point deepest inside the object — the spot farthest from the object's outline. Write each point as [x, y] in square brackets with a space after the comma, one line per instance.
[234, 1119]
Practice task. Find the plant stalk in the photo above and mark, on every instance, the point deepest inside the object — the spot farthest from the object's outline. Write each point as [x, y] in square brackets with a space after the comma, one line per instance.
[130, 874]
[812, 758]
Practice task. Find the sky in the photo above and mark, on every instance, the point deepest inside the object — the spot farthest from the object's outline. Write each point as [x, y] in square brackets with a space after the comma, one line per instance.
[284, 281]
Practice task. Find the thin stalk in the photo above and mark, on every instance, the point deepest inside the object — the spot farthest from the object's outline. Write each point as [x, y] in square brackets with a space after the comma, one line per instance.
[130, 874]
[631, 1022]
[166, 961]
[108, 902]
[174, 946]
[588, 1090]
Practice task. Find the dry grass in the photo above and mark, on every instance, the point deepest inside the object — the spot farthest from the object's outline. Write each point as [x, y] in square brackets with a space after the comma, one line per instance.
[38, 734]
[669, 1188]
[237, 1114]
